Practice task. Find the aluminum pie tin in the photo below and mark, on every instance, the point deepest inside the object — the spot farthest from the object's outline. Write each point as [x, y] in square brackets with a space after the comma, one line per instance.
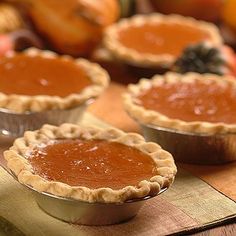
[84, 213]
[193, 148]
[15, 124]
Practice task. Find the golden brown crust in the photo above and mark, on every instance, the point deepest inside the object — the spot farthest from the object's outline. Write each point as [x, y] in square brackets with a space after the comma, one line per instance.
[19, 165]
[133, 57]
[150, 117]
[23, 103]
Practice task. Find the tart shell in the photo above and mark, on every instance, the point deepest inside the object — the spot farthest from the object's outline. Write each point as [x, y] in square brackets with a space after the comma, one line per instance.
[131, 56]
[19, 165]
[151, 117]
[23, 103]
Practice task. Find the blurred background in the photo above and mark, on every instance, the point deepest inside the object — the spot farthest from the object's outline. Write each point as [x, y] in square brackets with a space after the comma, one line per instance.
[75, 26]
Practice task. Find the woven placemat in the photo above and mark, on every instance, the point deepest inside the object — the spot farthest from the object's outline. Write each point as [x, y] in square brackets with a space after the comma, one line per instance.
[189, 204]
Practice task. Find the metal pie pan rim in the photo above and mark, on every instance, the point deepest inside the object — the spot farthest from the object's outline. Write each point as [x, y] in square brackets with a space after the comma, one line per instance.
[175, 131]
[8, 111]
[79, 201]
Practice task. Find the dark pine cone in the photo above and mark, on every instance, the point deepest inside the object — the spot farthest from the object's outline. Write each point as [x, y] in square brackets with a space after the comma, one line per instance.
[201, 58]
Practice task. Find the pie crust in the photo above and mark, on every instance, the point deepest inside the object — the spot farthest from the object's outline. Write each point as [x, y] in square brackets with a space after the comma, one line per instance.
[154, 118]
[19, 165]
[24, 103]
[133, 57]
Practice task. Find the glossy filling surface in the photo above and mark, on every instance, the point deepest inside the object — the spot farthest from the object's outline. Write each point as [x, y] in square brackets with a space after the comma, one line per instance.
[25, 75]
[192, 101]
[91, 163]
[161, 38]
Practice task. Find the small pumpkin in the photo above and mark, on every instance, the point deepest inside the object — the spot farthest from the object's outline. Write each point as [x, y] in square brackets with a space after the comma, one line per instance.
[208, 10]
[74, 26]
[228, 13]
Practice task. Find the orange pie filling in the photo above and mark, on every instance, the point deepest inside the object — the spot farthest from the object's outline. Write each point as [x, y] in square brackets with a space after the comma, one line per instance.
[27, 75]
[91, 163]
[192, 101]
[161, 38]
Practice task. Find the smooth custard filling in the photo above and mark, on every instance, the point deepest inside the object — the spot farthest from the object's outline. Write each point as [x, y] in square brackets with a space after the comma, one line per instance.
[192, 101]
[161, 38]
[91, 163]
[26, 75]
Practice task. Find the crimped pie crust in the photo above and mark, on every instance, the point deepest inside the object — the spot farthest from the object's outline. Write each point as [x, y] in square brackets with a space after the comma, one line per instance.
[19, 165]
[133, 57]
[154, 118]
[23, 103]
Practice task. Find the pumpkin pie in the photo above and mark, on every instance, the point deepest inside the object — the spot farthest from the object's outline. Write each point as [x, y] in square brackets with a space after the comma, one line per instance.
[35, 81]
[195, 103]
[90, 164]
[157, 40]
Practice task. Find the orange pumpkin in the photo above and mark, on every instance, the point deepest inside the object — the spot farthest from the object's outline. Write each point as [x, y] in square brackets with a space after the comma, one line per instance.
[73, 26]
[228, 14]
[208, 10]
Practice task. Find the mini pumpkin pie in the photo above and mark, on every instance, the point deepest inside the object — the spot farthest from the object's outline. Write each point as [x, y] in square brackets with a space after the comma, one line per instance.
[195, 103]
[157, 40]
[35, 81]
[90, 164]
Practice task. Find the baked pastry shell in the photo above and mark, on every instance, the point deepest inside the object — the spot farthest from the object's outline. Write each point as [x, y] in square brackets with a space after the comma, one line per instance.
[19, 113]
[148, 60]
[21, 168]
[190, 142]
[25, 104]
